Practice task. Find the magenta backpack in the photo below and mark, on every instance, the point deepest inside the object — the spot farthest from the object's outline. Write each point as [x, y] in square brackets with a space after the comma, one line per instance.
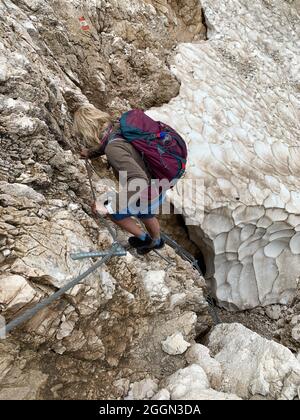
[162, 148]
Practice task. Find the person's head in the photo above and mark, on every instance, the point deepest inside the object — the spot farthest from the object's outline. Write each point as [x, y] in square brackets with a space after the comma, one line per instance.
[89, 122]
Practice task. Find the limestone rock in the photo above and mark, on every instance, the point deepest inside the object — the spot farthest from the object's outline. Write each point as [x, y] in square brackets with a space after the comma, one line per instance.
[21, 193]
[296, 333]
[155, 286]
[143, 390]
[186, 383]
[113, 313]
[288, 324]
[123, 386]
[199, 354]
[54, 241]
[211, 394]
[191, 383]
[236, 109]
[204, 394]
[16, 292]
[175, 344]
[273, 311]
[19, 380]
[254, 365]
[163, 394]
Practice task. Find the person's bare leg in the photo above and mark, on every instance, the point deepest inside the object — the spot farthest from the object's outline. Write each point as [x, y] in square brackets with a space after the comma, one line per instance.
[153, 227]
[130, 226]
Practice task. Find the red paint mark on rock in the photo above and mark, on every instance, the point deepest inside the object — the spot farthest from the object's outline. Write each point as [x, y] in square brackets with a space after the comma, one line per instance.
[84, 26]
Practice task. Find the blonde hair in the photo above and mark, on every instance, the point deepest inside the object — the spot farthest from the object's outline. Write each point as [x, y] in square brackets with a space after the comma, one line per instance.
[89, 122]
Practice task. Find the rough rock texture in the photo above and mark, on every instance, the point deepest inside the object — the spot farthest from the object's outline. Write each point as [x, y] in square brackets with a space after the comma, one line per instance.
[19, 378]
[143, 390]
[175, 344]
[199, 354]
[253, 365]
[190, 383]
[237, 108]
[103, 338]
[115, 313]
[237, 364]
[109, 328]
[288, 324]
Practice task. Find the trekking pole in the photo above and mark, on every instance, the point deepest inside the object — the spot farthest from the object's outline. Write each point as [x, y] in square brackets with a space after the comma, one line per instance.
[107, 225]
[88, 169]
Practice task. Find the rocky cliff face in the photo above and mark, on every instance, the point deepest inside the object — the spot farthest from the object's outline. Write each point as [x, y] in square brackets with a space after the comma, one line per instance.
[125, 330]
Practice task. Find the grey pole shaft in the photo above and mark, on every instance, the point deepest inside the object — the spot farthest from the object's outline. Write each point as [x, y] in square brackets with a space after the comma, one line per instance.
[30, 312]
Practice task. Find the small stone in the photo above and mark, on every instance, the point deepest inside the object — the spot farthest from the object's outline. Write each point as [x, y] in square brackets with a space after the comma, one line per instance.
[6, 252]
[273, 311]
[142, 390]
[155, 287]
[252, 364]
[65, 329]
[199, 354]
[175, 344]
[163, 394]
[73, 206]
[187, 382]
[295, 320]
[57, 203]
[122, 385]
[296, 333]
[281, 322]
[260, 311]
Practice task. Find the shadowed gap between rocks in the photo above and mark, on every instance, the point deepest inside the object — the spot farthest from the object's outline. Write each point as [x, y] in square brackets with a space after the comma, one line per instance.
[175, 226]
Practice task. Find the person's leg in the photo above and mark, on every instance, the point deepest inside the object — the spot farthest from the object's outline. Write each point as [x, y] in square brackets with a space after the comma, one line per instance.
[124, 157]
[130, 226]
[142, 241]
[153, 227]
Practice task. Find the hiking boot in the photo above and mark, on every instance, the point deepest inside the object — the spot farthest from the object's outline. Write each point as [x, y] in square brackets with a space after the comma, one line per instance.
[142, 250]
[137, 242]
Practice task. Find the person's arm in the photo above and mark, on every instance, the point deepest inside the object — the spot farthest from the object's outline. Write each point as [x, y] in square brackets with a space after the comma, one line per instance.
[94, 152]
[97, 151]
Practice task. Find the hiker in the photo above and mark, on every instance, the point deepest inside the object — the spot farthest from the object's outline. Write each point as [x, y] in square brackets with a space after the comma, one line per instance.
[134, 145]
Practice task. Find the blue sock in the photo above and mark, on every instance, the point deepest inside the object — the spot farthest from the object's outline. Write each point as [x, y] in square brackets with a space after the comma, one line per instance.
[143, 236]
[156, 241]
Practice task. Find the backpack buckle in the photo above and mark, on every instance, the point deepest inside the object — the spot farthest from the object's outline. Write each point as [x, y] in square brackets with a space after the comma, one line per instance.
[161, 135]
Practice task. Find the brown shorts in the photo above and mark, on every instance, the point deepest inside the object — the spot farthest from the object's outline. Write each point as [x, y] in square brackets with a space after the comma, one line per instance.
[124, 157]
